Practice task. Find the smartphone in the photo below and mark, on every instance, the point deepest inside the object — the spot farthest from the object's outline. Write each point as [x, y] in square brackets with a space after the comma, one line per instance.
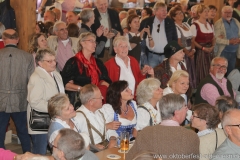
[114, 31]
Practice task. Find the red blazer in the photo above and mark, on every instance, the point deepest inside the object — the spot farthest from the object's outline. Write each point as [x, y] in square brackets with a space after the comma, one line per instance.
[114, 70]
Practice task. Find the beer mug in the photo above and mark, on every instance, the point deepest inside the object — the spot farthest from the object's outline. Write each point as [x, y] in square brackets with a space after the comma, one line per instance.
[124, 141]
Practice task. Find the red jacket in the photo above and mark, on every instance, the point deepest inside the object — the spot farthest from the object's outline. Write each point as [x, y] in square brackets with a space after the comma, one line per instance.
[1, 44]
[114, 70]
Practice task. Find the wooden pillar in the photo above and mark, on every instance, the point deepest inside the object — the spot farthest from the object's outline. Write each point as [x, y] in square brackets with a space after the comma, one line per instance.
[25, 11]
[219, 4]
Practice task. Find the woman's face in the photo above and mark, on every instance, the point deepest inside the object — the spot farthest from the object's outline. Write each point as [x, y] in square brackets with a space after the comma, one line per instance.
[181, 85]
[126, 94]
[37, 29]
[212, 13]
[135, 24]
[42, 42]
[143, 13]
[179, 55]
[204, 14]
[157, 94]
[122, 49]
[89, 44]
[68, 112]
[92, 19]
[48, 63]
[179, 16]
[197, 122]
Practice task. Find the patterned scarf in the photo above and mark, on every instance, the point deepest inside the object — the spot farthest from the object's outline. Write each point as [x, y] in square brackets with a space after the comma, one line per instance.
[92, 69]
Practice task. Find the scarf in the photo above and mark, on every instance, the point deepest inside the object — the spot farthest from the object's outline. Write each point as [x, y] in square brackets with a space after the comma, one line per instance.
[92, 69]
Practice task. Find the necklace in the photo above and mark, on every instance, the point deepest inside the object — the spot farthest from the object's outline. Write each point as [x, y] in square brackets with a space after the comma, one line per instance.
[125, 112]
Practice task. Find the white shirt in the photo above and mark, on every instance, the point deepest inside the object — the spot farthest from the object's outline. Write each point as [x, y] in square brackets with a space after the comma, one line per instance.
[65, 125]
[202, 28]
[178, 67]
[144, 116]
[104, 21]
[158, 37]
[108, 112]
[126, 73]
[95, 119]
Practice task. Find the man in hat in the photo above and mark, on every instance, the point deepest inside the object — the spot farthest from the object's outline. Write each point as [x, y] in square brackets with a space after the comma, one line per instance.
[175, 55]
[214, 85]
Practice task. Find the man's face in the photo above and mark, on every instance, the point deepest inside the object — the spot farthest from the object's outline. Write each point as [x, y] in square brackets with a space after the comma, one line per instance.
[102, 6]
[97, 100]
[62, 32]
[57, 154]
[219, 68]
[234, 131]
[71, 18]
[48, 17]
[227, 14]
[161, 13]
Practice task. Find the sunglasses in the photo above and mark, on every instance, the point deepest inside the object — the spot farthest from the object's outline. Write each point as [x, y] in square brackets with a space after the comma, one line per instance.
[158, 28]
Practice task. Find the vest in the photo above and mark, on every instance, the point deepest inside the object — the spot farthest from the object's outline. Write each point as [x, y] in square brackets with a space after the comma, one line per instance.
[209, 79]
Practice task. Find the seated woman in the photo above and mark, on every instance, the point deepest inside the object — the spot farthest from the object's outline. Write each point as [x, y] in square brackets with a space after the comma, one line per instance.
[84, 69]
[179, 84]
[148, 94]
[205, 118]
[120, 107]
[135, 37]
[62, 114]
[175, 55]
[124, 67]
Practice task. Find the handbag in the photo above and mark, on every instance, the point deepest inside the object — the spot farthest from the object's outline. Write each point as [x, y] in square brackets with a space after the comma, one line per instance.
[39, 121]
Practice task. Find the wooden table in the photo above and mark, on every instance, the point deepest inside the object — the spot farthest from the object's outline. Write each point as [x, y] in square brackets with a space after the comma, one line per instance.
[103, 154]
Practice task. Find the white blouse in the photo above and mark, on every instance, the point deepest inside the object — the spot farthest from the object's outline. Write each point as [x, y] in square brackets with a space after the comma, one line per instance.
[203, 29]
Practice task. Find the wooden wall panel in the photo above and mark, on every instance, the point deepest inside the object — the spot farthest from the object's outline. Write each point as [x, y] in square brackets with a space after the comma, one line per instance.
[25, 11]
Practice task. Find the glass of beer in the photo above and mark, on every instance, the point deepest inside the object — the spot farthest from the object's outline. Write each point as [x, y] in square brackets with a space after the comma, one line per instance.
[124, 141]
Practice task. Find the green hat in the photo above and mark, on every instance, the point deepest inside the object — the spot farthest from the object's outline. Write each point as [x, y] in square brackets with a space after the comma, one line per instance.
[171, 48]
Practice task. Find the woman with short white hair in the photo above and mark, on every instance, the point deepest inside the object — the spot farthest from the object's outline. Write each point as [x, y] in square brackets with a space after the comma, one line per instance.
[124, 67]
[148, 94]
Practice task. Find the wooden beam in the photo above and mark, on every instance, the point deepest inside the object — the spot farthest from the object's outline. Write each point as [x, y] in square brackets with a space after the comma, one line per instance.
[25, 11]
[217, 3]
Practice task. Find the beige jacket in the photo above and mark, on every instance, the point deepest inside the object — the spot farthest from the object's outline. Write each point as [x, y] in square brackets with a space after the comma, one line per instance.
[221, 42]
[41, 87]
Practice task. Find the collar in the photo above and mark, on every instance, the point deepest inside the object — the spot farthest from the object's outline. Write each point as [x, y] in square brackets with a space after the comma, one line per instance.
[86, 27]
[120, 62]
[217, 80]
[44, 70]
[204, 132]
[169, 122]
[11, 45]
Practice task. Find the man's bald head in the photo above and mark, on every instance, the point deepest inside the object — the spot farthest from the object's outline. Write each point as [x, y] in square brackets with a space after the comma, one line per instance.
[10, 36]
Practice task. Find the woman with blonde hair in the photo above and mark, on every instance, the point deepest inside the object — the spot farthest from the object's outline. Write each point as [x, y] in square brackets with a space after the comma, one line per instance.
[148, 94]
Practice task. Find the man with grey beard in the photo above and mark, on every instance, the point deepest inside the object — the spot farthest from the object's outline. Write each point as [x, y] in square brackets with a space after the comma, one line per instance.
[214, 85]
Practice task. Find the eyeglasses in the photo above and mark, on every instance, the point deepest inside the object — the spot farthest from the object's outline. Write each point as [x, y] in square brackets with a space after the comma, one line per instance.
[90, 40]
[220, 67]
[228, 12]
[235, 125]
[195, 116]
[158, 28]
[50, 61]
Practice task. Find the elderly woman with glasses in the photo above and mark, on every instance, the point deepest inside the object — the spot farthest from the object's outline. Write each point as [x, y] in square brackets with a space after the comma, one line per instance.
[148, 94]
[44, 83]
[124, 67]
[205, 118]
[84, 69]
[62, 114]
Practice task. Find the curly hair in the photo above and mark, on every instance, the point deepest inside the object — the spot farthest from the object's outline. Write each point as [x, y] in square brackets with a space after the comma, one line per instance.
[56, 104]
[33, 44]
[209, 113]
[113, 96]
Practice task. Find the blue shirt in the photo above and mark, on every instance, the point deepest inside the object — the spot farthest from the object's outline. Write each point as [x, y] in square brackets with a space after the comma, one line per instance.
[231, 32]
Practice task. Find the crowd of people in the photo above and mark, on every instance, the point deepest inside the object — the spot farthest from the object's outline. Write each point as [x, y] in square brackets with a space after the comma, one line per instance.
[87, 79]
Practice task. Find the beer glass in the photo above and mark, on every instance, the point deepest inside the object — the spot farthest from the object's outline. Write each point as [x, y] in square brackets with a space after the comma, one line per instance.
[124, 141]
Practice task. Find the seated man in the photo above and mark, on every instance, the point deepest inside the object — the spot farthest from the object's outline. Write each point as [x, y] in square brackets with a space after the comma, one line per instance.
[230, 148]
[214, 85]
[67, 145]
[91, 119]
[168, 139]
[175, 55]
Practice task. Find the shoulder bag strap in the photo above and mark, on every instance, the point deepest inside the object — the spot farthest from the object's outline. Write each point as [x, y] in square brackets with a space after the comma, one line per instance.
[150, 121]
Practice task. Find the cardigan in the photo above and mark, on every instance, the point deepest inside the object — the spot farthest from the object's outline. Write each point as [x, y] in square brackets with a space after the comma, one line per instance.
[114, 70]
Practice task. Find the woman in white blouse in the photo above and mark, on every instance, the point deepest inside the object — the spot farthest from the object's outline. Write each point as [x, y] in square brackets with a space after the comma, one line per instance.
[148, 94]
[120, 107]
[44, 83]
[203, 38]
